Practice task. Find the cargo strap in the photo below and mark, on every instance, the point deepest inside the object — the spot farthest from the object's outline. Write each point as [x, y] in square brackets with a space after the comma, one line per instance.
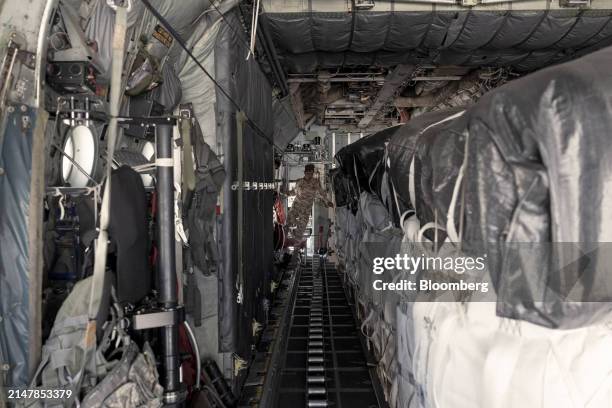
[116, 90]
[186, 131]
[179, 230]
[411, 172]
[451, 228]
[240, 122]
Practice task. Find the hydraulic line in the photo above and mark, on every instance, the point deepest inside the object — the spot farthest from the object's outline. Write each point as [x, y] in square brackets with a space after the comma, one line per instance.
[196, 351]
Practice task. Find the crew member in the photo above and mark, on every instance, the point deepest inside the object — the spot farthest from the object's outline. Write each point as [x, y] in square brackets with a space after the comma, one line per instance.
[306, 190]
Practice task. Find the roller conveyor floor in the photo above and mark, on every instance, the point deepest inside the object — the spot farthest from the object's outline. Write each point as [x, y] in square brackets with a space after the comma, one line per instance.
[325, 363]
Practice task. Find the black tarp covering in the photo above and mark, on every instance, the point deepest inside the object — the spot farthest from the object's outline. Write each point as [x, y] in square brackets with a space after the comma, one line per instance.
[535, 190]
[342, 192]
[524, 40]
[547, 163]
[380, 163]
[361, 160]
[400, 151]
[248, 86]
[438, 156]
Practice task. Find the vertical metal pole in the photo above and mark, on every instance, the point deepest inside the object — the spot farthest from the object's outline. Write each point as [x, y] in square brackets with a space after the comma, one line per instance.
[240, 120]
[333, 150]
[167, 281]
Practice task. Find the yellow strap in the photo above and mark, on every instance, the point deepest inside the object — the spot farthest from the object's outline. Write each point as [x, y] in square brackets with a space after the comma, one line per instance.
[189, 181]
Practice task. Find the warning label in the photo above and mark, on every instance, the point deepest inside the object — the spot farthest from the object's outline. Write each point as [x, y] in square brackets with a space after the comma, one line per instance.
[163, 36]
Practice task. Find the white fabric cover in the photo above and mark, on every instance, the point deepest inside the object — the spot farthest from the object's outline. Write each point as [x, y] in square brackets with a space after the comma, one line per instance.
[461, 355]
[466, 356]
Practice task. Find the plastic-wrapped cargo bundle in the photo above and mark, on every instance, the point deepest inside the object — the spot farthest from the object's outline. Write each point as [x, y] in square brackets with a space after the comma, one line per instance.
[538, 170]
[340, 235]
[354, 233]
[379, 238]
[400, 152]
[361, 162]
[529, 163]
[521, 177]
[360, 237]
[341, 188]
[465, 356]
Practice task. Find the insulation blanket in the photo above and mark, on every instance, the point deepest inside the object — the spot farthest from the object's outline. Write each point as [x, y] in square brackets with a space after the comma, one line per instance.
[246, 255]
[242, 288]
[16, 164]
[522, 39]
[285, 124]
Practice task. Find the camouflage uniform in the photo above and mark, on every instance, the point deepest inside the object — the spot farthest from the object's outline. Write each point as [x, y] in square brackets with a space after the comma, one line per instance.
[306, 191]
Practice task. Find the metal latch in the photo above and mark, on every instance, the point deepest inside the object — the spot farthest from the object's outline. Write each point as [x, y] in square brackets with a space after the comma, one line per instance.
[575, 3]
[163, 318]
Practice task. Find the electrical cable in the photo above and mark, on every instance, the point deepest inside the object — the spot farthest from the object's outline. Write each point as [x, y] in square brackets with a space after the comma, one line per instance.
[183, 45]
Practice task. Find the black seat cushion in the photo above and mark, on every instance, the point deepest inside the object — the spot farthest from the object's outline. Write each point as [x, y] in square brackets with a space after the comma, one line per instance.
[128, 230]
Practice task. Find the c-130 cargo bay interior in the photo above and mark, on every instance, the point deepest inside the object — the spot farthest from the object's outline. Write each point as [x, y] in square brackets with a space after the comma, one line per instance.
[283, 203]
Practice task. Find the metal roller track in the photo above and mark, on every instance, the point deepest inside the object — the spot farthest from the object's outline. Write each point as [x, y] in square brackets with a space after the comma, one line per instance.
[325, 364]
[315, 375]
